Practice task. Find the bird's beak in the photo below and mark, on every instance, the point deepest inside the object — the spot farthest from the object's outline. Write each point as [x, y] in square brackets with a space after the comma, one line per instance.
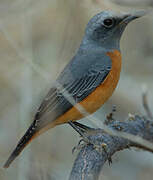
[130, 17]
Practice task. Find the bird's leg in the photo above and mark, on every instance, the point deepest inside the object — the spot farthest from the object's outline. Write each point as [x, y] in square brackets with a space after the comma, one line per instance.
[80, 129]
[83, 131]
[82, 126]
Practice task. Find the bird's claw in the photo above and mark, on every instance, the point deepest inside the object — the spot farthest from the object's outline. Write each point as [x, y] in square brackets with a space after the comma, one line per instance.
[82, 143]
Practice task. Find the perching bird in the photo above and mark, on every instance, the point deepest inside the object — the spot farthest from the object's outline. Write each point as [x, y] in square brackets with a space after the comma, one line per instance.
[89, 78]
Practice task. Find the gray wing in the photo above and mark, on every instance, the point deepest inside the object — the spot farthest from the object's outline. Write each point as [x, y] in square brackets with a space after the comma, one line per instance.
[78, 89]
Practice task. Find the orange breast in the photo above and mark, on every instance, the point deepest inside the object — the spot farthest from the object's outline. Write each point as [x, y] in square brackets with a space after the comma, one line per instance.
[101, 94]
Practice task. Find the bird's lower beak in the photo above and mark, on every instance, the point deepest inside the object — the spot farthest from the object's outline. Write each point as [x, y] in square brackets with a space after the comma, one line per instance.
[130, 17]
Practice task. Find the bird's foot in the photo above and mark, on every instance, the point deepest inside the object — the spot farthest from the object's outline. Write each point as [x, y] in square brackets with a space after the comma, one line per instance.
[82, 130]
[85, 132]
[79, 146]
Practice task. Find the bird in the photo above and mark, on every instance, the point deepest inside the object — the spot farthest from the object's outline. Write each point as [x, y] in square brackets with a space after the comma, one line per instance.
[90, 77]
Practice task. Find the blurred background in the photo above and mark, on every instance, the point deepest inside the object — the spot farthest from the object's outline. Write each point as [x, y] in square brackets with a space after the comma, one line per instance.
[37, 39]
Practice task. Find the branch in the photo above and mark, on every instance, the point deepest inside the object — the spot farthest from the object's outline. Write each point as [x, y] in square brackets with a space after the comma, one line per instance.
[92, 157]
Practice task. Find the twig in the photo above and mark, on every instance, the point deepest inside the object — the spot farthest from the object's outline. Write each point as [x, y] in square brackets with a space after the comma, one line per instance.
[145, 103]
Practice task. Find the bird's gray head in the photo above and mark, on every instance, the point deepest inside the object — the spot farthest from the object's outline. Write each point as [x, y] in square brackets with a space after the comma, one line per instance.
[105, 28]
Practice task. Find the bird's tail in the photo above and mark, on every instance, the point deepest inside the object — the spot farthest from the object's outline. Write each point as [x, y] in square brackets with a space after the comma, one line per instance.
[30, 134]
[34, 130]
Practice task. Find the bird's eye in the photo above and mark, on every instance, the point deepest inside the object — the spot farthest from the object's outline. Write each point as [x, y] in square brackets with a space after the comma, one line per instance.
[109, 22]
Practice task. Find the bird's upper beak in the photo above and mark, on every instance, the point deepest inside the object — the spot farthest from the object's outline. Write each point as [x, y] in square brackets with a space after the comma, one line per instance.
[126, 18]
